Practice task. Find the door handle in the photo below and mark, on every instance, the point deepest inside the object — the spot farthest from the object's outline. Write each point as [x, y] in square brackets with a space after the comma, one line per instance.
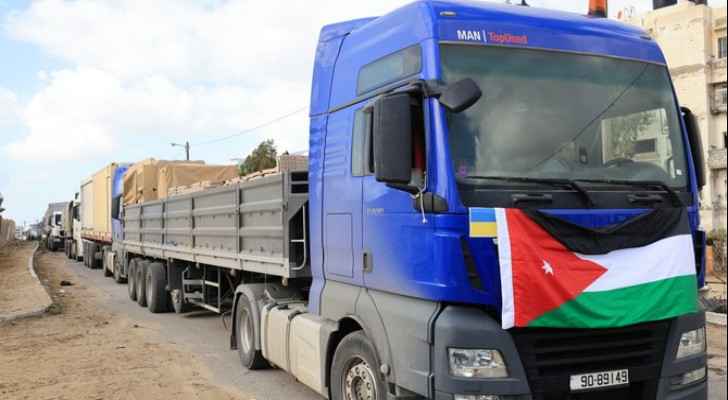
[367, 262]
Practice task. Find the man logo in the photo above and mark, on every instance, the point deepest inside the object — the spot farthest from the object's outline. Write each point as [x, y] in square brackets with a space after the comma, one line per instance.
[472, 36]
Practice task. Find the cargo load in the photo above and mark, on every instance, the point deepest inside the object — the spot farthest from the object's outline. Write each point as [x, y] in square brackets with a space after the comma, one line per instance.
[141, 180]
[176, 175]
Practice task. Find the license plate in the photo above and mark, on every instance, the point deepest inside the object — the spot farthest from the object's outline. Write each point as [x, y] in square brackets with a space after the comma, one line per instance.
[596, 380]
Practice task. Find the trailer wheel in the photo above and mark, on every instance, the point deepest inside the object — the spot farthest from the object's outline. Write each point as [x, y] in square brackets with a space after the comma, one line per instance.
[140, 281]
[107, 271]
[84, 249]
[90, 255]
[245, 335]
[156, 284]
[117, 273]
[131, 279]
[96, 260]
[355, 370]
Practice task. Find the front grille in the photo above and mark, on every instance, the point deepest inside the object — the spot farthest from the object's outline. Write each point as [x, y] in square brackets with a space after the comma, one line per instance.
[551, 356]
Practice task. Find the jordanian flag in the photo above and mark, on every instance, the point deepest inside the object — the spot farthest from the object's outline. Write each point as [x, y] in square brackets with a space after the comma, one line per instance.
[558, 274]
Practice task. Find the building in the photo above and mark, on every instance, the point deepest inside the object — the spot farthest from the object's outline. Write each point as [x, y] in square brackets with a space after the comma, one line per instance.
[693, 37]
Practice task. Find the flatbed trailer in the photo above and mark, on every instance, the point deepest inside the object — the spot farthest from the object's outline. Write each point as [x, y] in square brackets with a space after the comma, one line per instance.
[249, 227]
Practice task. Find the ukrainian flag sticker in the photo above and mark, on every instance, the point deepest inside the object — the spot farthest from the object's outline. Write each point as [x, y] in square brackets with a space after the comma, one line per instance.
[482, 223]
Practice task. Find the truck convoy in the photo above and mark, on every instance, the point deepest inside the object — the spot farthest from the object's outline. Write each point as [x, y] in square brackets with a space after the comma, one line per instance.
[501, 202]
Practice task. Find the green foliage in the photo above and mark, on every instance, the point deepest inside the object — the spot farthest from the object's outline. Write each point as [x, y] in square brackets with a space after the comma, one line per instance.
[717, 239]
[263, 157]
[717, 235]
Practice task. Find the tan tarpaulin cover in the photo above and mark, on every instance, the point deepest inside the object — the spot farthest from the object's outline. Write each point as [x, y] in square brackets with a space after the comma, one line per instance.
[174, 175]
[141, 180]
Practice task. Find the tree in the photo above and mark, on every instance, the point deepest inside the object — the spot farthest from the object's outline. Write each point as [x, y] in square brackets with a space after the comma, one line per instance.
[263, 157]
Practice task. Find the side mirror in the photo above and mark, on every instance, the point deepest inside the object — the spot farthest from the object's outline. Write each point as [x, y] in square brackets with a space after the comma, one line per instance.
[115, 207]
[392, 138]
[696, 145]
[459, 96]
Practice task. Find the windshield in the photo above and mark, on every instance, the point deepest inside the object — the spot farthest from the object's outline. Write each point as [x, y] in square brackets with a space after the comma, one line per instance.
[547, 114]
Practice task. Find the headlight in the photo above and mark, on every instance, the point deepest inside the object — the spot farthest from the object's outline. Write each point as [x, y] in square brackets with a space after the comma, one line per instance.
[691, 343]
[690, 377]
[469, 363]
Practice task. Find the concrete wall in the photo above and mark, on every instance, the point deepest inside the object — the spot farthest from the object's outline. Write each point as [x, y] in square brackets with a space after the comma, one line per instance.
[688, 35]
[7, 230]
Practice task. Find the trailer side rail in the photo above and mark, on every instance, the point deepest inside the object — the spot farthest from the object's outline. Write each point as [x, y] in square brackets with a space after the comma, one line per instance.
[256, 226]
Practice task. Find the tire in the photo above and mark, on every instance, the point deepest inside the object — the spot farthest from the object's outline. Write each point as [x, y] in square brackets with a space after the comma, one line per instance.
[107, 272]
[89, 255]
[95, 262]
[131, 279]
[117, 274]
[156, 288]
[250, 358]
[84, 248]
[356, 365]
[140, 282]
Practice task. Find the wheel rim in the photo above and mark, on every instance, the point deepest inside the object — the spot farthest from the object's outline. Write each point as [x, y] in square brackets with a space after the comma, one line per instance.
[246, 331]
[359, 381]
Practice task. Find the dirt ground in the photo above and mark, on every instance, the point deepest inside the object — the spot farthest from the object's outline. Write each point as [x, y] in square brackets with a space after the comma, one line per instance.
[82, 352]
[717, 349]
[20, 291]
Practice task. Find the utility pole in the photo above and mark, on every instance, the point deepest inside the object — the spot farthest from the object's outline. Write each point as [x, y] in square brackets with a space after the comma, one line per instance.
[186, 146]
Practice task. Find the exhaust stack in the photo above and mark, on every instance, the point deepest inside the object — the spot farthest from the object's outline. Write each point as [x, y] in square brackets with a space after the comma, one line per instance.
[598, 8]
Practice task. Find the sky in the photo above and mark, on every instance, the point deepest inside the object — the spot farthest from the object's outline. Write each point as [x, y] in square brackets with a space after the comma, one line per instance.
[85, 83]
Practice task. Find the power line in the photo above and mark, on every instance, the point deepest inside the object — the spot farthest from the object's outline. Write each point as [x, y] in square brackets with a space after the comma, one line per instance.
[248, 130]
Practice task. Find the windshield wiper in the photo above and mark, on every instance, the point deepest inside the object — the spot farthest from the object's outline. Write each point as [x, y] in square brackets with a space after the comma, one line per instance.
[671, 193]
[569, 183]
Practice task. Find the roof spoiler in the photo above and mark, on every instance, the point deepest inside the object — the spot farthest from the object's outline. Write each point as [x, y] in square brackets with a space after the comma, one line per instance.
[598, 8]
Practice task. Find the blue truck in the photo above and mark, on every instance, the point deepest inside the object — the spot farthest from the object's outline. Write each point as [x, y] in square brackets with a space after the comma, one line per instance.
[376, 273]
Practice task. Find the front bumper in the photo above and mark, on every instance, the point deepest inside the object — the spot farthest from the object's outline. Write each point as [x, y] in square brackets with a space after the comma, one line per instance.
[466, 327]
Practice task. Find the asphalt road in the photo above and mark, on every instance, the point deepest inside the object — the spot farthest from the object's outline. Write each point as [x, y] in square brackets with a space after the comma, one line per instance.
[203, 334]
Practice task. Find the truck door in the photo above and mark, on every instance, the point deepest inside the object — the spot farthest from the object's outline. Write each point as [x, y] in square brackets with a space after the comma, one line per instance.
[396, 246]
[342, 200]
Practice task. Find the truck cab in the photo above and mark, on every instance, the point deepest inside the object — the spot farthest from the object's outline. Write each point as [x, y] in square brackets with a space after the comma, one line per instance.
[439, 108]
